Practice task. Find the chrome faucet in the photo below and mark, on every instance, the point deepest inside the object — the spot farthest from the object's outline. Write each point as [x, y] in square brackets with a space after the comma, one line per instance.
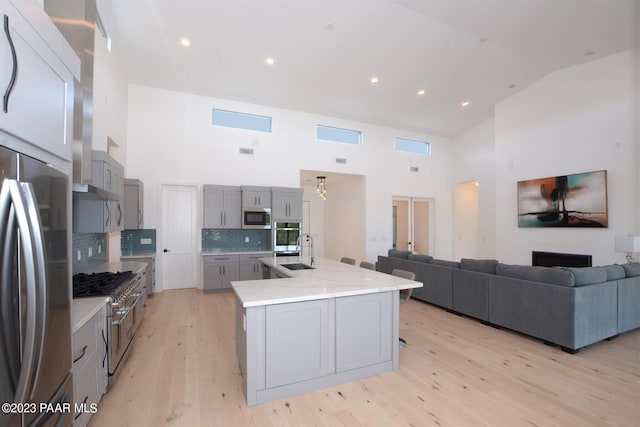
[299, 245]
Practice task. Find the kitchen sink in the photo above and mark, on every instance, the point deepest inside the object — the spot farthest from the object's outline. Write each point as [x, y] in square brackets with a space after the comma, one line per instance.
[298, 266]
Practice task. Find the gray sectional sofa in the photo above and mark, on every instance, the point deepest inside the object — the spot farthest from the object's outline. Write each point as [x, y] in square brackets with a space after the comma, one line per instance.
[569, 307]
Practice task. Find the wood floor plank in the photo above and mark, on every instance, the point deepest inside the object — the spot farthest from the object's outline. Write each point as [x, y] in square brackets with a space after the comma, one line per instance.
[454, 371]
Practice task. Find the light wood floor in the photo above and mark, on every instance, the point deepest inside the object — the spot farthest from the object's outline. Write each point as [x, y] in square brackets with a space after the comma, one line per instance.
[454, 372]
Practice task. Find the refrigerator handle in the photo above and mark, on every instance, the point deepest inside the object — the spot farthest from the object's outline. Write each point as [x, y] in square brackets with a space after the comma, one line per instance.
[9, 331]
[12, 192]
[41, 279]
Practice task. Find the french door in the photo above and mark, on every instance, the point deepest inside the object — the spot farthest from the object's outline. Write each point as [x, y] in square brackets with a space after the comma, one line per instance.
[413, 224]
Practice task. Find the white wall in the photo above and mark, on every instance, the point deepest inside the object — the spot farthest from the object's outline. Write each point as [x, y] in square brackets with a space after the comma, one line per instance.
[579, 119]
[344, 221]
[171, 140]
[474, 159]
[110, 100]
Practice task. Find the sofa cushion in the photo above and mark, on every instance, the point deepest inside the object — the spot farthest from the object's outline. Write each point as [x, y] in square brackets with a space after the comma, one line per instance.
[632, 270]
[588, 275]
[394, 253]
[420, 258]
[480, 265]
[614, 272]
[551, 275]
[445, 263]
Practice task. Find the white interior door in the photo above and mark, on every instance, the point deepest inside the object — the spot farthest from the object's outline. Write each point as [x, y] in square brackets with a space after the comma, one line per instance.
[179, 248]
[412, 225]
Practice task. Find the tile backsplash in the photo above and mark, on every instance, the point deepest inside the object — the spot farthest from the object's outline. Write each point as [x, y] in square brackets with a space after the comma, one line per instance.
[88, 249]
[235, 240]
[135, 242]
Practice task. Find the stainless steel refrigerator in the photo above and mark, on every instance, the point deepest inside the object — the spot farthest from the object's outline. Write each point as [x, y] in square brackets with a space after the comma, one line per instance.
[35, 328]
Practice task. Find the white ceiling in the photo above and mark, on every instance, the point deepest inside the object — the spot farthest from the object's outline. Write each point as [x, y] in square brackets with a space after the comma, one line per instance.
[326, 51]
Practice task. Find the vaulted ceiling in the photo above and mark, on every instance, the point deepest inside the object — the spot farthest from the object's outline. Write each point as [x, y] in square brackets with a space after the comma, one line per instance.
[326, 52]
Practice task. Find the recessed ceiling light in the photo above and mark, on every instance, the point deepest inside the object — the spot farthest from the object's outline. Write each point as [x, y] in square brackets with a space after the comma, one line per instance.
[420, 92]
[270, 61]
[374, 80]
[465, 103]
[329, 26]
[185, 42]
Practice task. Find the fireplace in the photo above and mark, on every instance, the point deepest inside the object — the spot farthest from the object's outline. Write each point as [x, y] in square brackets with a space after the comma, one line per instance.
[557, 259]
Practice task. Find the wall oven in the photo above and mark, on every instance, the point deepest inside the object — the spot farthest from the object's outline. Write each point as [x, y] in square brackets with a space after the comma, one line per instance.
[285, 238]
[256, 218]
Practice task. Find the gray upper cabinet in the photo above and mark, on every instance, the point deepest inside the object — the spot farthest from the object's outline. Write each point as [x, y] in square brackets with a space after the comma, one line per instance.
[286, 204]
[256, 197]
[101, 216]
[37, 70]
[222, 207]
[133, 204]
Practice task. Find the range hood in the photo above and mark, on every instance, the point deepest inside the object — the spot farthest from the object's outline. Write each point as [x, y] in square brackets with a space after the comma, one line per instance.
[91, 192]
[76, 20]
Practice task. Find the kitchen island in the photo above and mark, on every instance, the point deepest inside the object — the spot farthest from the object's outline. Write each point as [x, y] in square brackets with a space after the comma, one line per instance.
[316, 328]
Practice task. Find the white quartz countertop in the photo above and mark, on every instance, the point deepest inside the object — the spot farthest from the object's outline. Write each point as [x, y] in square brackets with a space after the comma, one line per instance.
[329, 279]
[83, 309]
[220, 253]
[138, 256]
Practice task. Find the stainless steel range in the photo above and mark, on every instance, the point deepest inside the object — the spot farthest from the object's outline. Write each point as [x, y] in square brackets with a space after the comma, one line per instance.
[127, 296]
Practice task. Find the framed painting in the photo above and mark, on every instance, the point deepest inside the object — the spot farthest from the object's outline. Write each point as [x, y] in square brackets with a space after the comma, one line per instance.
[578, 200]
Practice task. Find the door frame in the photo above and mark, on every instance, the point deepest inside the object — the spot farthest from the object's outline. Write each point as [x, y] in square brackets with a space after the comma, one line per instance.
[197, 278]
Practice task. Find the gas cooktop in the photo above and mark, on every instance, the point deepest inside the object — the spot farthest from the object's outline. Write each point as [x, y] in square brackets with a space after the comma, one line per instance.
[99, 284]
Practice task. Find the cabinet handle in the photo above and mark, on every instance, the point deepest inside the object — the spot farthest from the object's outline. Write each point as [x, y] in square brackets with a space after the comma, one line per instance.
[14, 71]
[84, 404]
[119, 215]
[139, 218]
[108, 221]
[82, 352]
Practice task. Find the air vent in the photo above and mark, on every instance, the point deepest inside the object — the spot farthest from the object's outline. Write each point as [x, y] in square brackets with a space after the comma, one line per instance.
[413, 168]
[248, 151]
[341, 161]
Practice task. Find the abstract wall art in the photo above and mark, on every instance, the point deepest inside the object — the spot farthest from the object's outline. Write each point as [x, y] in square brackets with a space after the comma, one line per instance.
[578, 200]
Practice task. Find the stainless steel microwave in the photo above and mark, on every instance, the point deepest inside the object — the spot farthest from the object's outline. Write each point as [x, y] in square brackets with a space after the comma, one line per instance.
[258, 218]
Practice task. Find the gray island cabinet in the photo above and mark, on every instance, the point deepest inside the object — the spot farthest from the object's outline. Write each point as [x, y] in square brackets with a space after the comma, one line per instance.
[316, 328]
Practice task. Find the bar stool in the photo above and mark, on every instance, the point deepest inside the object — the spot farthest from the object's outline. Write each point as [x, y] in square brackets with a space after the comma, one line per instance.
[347, 260]
[405, 294]
[368, 265]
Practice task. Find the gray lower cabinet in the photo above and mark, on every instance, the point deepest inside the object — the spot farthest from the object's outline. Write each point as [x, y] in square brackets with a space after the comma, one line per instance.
[219, 272]
[89, 374]
[292, 348]
[251, 267]
[150, 272]
[297, 342]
